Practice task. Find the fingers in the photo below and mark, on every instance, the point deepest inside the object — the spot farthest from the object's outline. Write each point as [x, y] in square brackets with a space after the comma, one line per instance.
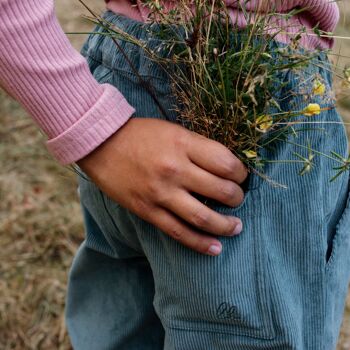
[216, 158]
[178, 230]
[201, 217]
[202, 182]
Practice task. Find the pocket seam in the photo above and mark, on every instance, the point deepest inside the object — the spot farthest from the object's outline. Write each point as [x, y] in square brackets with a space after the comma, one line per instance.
[190, 329]
[263, 329]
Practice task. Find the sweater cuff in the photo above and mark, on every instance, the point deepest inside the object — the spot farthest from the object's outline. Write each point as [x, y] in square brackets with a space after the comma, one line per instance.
[108, 114]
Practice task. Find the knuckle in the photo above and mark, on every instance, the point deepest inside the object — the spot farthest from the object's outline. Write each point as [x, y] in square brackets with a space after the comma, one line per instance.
[153, 190]
[228, 191]
[200, 219]
[163, 198]
[141, 207]
[168, 169]
[176, 233]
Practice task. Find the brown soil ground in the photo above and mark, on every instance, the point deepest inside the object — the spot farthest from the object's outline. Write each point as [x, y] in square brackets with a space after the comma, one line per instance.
[40, 221]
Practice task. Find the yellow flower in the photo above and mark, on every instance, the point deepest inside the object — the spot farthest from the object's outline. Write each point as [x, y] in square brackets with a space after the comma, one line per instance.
[264, 122]
[250, 154]
[312, 109]
[318, 88]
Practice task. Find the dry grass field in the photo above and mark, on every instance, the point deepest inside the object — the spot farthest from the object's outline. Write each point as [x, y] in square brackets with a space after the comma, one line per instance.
[40, 221]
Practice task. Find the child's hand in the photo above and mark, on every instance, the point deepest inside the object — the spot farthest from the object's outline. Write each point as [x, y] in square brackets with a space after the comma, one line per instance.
[151, 166]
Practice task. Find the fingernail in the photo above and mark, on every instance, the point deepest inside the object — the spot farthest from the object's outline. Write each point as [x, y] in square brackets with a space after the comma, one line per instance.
[214, 250]
[238, 228]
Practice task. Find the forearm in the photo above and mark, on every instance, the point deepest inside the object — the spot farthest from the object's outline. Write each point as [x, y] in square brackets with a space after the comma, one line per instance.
[40, 68]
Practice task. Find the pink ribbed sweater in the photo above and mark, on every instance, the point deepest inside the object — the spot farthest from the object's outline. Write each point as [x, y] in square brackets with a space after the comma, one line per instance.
[40, 68]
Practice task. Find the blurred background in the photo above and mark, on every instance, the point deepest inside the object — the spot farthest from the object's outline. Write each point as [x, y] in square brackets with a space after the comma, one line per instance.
[40, 220]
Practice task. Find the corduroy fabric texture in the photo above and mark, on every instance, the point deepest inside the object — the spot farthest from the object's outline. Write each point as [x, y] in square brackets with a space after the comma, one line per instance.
[281, 284]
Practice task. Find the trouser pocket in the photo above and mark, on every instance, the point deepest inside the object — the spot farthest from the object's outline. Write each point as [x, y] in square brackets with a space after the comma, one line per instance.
[228, 294]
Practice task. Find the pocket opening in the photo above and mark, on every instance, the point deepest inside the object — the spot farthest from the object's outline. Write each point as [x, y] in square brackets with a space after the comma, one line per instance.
[341, 230]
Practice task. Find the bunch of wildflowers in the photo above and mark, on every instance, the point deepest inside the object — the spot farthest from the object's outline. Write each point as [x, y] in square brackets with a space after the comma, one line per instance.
[229, 83]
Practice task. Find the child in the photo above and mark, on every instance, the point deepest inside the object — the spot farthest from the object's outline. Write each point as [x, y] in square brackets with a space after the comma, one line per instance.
[280, 284]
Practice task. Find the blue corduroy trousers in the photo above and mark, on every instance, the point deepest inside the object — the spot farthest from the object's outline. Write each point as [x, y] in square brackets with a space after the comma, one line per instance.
[281, 284]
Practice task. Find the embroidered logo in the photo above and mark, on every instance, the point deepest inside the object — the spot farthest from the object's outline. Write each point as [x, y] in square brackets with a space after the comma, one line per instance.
[226, 311]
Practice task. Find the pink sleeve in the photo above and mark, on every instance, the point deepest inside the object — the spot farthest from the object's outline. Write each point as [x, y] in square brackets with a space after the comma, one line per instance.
[40, 68]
